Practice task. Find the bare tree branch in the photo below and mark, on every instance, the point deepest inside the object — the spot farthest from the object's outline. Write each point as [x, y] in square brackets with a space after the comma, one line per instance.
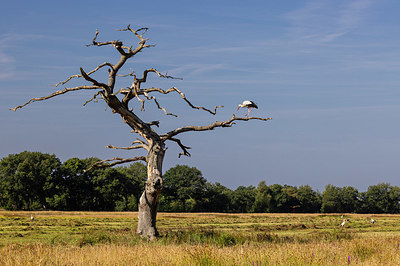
[93, 98]
[138, 141]
[135, 91]
[154, 123]
[142, 145]
[95, 82]
[142, 42]
[56, 94]
[158, 105]
[101, 164]
[125, 51]
[79, 75]
[227, 123]
[127, 75]
[183, 147]
[135, 88]
[126, 148]
[143, 91]
[122, 91]
[117, 44]
[136, 32]
[147, 71]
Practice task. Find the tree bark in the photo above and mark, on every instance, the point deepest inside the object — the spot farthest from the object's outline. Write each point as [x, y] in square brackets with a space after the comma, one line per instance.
[148, 202]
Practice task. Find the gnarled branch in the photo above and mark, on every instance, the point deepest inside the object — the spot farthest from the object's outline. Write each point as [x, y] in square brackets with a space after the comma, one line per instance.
[95, 82]
[117, 44]
[79, 75]
[127, 75]
[135, 91]
[56, 94]
[227, 123]
[154, 123]
[128, 148]
[125, 51]
[142, 42]
[145, 91]
[118, 160]
[156, 102]
[183, 147]
[136, 32]
[93, 98]
[147, 71]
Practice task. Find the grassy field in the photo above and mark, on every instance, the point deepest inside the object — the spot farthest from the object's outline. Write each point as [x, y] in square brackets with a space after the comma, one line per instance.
[105, 238]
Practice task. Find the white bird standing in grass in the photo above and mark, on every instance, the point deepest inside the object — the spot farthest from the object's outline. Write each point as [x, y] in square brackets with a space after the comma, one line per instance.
[249, 105]
[342, 224]
[32, 218]
[372, 221]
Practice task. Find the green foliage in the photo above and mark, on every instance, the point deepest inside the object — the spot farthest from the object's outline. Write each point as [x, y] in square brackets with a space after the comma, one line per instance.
[27, 179]
[136, 174]
[242, 199]
[110, 186]
[36, 181]
[217, 198]
[381, 198]
[309, 200]
[336, 199]
[185, 188]
[331, 199]
[277, 198]
[78, 184]
[33, 181]
[126, 204]
[263, 198]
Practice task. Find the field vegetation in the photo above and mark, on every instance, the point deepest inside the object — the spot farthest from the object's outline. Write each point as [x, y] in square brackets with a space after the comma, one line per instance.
[106, 238]
[34, 181]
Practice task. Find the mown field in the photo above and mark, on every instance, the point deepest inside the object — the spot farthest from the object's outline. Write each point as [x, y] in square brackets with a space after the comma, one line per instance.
[105, 238]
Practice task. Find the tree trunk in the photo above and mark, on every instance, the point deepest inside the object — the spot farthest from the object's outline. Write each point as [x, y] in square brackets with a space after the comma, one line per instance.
[148, 202]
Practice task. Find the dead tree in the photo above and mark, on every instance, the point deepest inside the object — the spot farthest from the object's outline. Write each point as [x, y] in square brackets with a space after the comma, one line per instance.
[153, 142]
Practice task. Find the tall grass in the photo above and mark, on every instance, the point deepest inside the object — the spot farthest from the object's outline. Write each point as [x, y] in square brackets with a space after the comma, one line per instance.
[356, 252]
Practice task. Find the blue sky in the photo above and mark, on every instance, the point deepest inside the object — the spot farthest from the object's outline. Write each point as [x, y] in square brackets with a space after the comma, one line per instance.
[327, 72]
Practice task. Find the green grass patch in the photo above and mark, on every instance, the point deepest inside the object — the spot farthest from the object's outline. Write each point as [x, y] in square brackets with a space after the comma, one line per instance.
[92, 228]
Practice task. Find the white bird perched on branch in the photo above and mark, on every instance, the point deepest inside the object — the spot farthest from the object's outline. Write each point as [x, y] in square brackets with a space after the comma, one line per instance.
[249, 105]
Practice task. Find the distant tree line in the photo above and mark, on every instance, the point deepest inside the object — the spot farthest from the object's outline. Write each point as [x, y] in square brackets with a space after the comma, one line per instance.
[38, 181]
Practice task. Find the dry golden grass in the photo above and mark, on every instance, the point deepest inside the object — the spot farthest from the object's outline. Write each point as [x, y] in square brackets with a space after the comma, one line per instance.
[102, 238]
[355, 252]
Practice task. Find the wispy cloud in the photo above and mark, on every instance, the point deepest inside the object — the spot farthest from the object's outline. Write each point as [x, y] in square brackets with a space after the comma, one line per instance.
[9, 45]
[354, 13]
[6, 60]
[325, 21]
[195, 69]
